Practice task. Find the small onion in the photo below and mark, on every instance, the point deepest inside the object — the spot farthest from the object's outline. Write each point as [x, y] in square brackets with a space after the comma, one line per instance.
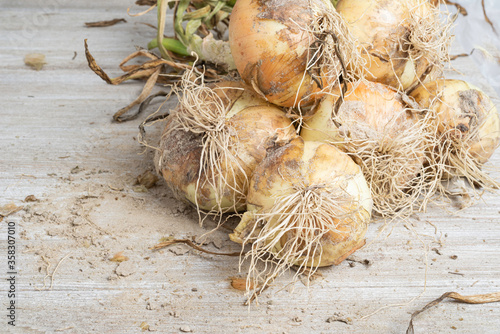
[403, 42]
[213, 140]
[374, 125]
[308, 205]
[288, 50]
[468, 127]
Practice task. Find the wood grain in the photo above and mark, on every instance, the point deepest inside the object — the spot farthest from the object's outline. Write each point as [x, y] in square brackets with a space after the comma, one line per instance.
[60, 117]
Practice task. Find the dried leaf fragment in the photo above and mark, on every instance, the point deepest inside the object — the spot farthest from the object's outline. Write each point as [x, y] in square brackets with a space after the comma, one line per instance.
[147, 179]
[460, 8]
[35, 60]
[453, 57]
[31, 198]
[487, 19]
[9, 209]
[172, 241]
[144, 326]
[145, 2]
[119, 257]
[337, 317]
[240, 284]
[104, 23]
[474, 299]
[140, 189]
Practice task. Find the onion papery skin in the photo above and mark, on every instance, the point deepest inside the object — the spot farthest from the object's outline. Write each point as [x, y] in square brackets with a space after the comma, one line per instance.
[220, 186]
[466, 116]
[382, 28]
[271, 49]
[369, 112]
[300, 167]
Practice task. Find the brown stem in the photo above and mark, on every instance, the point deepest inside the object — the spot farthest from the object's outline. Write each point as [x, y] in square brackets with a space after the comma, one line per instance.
[487, 18]
[192, 245]
[475, 299]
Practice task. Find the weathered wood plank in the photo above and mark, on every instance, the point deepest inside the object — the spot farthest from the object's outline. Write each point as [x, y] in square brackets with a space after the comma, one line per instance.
[60, 118]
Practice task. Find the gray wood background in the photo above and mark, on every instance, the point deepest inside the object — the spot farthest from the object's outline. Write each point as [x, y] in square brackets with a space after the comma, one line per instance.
[56, 119]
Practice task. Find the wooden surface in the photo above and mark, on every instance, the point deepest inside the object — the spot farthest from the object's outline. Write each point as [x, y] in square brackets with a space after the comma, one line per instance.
[60, 117]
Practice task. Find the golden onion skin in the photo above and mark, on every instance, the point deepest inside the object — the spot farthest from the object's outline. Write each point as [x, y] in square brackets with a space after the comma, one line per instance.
[369, 111]
[251, 122]
[313, 164]
[465, 114]
[271, 51]
[381, 135]
[380, 27]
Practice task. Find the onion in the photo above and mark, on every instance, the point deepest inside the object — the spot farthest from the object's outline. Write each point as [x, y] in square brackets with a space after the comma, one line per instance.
[308, 205]
[403, 42]
[468, 128]
[214, 139]
[388, 141]
[288, 51]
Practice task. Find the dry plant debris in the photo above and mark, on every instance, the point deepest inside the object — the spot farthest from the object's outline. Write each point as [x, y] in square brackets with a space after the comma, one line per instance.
[487, 18]
[119, 257]
[474, 299]
[191, 244]
[240, 284]
[31, 198]
[9, 209]
[101, 24]
[35, 60]
[147, 179]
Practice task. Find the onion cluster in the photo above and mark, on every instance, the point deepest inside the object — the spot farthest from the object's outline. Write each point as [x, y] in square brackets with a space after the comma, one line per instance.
[378, 130]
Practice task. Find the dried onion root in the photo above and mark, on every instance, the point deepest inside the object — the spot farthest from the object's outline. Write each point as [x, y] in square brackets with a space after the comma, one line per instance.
[308, 206]
[291, 52]
[468, 129]
[404, 42]
[214, 139]
[387, 139]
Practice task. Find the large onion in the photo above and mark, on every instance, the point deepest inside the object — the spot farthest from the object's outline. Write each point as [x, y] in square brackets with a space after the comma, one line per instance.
[213, 140]
[374, 125]
[402, 41]
[468, 127]
[288, 50]
[308, 205]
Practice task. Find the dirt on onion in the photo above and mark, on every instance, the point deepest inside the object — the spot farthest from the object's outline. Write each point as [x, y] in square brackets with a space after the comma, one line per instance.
[291, 52]
[214, 139]
[467, 129]
[308, 206]
[403, 42]
[374, 124]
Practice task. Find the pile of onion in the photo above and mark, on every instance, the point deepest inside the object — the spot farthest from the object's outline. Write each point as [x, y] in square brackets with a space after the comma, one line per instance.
[403, 42]
[213, 141]
[308, 205]
[374, 125]
[291, 52]
[467, 129]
